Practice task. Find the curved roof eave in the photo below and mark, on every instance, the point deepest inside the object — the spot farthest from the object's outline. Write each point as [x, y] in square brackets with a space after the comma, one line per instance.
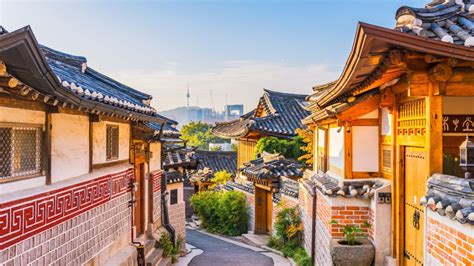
[34, 71]
[391, 38]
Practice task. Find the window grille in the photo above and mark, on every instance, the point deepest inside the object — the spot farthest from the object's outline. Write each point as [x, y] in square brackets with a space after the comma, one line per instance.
[112, 142]
[386, 160]
[20, 151]
[174, 197]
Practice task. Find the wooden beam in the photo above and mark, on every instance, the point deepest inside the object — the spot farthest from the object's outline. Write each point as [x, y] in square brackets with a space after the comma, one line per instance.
[9, 82]
[365, 122]
[434, 132]
[91, 140]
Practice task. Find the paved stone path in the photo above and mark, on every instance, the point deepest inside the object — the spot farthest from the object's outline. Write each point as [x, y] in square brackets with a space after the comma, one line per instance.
[222, 253]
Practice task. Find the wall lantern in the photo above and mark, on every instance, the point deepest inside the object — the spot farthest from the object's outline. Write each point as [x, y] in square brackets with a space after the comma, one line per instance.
[466, 156]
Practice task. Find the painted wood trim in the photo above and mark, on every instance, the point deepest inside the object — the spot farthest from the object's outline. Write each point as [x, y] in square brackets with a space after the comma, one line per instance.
[107, 164]
[366, 122]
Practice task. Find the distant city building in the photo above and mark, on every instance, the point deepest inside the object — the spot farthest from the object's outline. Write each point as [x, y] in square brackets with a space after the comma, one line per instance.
[184, 115]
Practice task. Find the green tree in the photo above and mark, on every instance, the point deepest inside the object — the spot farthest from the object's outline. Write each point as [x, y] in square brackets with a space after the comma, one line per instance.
[198, 134]
[289, 148]
[308, 147]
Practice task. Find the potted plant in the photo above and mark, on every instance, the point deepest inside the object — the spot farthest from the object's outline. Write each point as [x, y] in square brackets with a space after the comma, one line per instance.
[354, 249]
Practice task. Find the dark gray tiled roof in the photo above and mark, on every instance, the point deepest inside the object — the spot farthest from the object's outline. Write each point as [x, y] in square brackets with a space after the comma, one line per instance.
[289, 187]
[169, 129]
[178, 156]
[74, 75]
[173, 177]
[451, 196]
[247, 187]
[330, 186]
[217, 160]
[210, 162]
[277, 168]
[283, 115]
[448, 21]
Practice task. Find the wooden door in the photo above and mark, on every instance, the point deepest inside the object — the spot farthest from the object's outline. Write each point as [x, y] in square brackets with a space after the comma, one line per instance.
[139, 197]
[260, 211]
[415, 180]
[269, 212]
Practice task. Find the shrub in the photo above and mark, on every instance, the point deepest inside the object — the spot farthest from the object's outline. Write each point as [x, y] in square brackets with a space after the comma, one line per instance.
[222, 212]
[289, 235]
[170, 250]
[233, 213]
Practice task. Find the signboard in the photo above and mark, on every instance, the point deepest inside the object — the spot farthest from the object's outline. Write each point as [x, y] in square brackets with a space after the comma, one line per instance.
[458, 123]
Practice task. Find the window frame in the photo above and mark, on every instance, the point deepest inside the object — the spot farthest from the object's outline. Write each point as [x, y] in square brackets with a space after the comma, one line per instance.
[322, 161]
[172, 197]
[108, 155]
[40, 152]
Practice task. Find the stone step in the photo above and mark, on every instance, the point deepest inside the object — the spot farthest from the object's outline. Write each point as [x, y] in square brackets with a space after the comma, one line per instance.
[165, 261]
[154, 258]
[149, 246]
[255, 240]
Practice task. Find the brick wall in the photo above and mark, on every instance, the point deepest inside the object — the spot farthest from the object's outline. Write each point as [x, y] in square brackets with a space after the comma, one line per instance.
[448, 242]
[372, 224]
[349, 215]
[177, 218]
[65, 226]
[157, 176]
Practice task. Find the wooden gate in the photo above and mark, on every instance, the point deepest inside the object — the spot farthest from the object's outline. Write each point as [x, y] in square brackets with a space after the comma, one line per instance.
[263, 211]
[415, 182]
[140, 193]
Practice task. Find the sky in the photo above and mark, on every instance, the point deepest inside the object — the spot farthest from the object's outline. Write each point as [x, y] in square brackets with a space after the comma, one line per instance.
[226, 51]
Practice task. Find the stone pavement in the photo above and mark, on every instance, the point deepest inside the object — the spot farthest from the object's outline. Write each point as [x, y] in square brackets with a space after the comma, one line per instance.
[221, 251]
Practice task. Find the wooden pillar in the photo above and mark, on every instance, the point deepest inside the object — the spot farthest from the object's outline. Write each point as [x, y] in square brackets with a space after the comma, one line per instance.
[434, 131]
[47, 146]
[348, 151]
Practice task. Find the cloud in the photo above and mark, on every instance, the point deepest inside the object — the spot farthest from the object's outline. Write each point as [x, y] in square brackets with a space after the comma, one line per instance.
[241, 81]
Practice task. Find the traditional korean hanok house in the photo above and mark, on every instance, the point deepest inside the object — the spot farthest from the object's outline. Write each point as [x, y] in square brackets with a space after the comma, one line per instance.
[178, 161]
[398, 115]
[76, 161]
[208, 163]
[275, 179]
[277, 114]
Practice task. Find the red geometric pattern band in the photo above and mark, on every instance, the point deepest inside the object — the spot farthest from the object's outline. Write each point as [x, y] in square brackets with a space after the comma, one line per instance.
[23, 218]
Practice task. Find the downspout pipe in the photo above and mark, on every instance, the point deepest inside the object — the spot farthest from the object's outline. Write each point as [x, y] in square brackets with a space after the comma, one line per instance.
[165, 219]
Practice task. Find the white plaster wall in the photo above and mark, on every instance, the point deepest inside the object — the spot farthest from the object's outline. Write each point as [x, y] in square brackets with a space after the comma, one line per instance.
[458, 105]
[336, 148]
[373, 114]
[69, 146]
[15, 115]
[155, 160]
[387, 122]
[365, 149]
[99, 141]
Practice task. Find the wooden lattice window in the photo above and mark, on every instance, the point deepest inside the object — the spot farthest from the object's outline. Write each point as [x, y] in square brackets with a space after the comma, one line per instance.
[411, 118]
[20, 151]
[322, 154]
[112, 148]
[386, 159]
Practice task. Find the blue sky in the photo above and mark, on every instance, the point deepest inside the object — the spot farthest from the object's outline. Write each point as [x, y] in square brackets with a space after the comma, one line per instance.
[232, 48]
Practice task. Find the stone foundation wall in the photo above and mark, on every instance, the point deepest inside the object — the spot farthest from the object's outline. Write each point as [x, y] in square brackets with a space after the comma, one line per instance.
[323, 230]
[448, 242]
[306, 207]
[177, 218]
[83, 223]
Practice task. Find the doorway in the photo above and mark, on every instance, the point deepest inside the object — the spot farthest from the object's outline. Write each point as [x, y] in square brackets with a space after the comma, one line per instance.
[263, 211]
[139, 196]
[414, 188]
